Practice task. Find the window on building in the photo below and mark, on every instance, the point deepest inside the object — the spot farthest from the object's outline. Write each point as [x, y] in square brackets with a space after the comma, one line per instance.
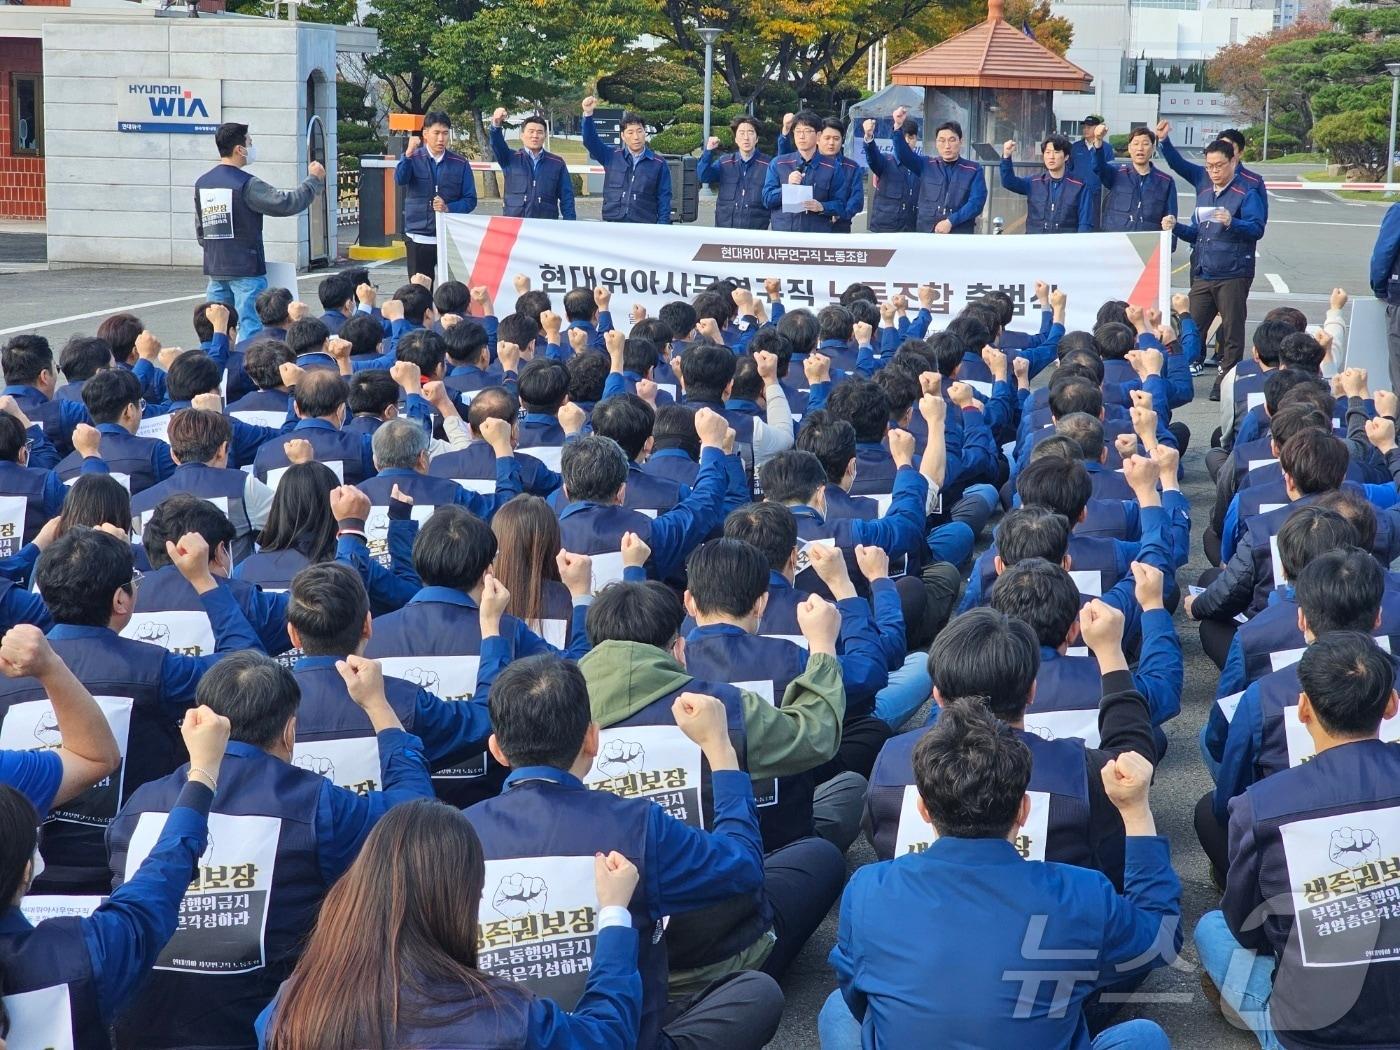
[26, 114]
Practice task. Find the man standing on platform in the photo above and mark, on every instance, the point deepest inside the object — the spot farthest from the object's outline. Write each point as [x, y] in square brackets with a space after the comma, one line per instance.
[1084, 159]
[737, 178]
[537, 181]
[1056, 202]
[952, 191]
[636, 182]
[435, 180]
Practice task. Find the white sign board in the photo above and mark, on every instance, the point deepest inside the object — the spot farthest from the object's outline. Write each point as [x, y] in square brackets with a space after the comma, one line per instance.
[181, 107]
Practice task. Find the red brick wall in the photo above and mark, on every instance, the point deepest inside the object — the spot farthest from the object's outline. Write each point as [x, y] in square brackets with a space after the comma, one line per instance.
[21, 178]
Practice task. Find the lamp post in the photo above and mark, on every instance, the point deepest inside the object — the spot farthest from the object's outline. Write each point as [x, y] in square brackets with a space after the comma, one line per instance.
[1266, 124]
[1393, 68]
[709, 34]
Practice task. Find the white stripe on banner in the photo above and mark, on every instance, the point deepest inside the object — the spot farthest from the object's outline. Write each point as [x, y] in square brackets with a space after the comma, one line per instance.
[675, 262]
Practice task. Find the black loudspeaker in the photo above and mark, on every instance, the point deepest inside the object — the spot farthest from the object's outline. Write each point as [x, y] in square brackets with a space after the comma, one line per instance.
[685, 189]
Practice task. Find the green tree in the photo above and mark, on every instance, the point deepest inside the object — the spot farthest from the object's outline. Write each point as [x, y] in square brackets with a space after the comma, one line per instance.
[330, 12]
[355, 125]
[1356, 139]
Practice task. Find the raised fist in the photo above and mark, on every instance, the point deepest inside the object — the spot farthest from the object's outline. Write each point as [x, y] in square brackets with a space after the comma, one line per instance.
[499, 116]
[520, 895]
[155, 633]
[1353, 847]
[323, 767]
[423, 678]
[712, 143]
[868, 127]
[588, 105]
[620, 757]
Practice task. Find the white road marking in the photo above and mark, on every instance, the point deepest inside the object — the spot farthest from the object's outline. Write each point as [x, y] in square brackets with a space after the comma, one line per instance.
[1314, 222]
[1277, 282]
[1284, 200]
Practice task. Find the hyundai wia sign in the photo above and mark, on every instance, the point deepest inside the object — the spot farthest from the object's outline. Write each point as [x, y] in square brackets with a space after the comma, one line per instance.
[188, 107]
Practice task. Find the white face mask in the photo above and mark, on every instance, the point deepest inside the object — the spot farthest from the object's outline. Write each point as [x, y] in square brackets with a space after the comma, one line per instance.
[251, 154]
[38, 865]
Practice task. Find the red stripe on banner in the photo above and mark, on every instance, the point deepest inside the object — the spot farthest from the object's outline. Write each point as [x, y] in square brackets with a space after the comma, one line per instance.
[1144, 293]
[494, 254]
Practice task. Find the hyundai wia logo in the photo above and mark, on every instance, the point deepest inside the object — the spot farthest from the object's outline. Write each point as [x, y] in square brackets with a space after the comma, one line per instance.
[168, 100]
[169, 106]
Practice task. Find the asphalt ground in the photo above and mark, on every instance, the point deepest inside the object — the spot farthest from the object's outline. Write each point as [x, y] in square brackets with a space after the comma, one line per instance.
[1314, 243]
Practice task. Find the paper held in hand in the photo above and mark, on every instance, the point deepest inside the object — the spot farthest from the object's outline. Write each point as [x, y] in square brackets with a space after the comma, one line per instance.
[794, 197]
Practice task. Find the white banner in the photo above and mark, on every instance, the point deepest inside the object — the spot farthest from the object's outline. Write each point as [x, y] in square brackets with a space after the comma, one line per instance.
[660, 264]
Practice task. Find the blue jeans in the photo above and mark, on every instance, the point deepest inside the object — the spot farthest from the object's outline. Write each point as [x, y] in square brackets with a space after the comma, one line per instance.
[908, 688]
[839, 1030]
[242, 293]
[1244, 977]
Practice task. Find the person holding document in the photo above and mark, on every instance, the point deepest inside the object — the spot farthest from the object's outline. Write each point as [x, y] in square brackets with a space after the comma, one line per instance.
[802, 186]
[434, 179]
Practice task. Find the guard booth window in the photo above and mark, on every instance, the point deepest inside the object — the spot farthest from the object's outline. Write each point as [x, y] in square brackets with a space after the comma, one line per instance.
[26, 115]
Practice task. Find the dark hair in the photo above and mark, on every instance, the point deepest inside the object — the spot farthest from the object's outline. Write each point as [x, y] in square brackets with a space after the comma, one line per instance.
[1032, 532]
[1058, 143]
[417, 301]
[363, 333]
[1114, 339]
[328, 605]
[947, 350]
[588, 374]
[748, 384]
[808, 118]
[947, 125]
[972, 772]
[1223, 147]
[800, 326]
[540, 711]
[424, 348]
[1268, 340]
[534, 118]
[1310, 532]
[543, 385]
[454, 548]
[492, 402]
[793, 476]
[1356, 510]
[1341, 590]
[255, 693]
[864, 405]
[657, 331]
[679, 317]
[1060, 446]
[192, 373]
[1316, 461]
[24, 357]
[318, 393]
[178, 514]
[80, 572]
[768, 527]
[1280, 382]
[1294, 419]
[1068, 396]
[707, 369]
[531, 305]
[229, 136]
[308, 335]
[520, 329]
[741, 120]
[831, 440]
[465, 342]
[726, 576]
[272, 304]
[13, 438]
[835, 322]
[19, 835]
[639, 354]
[1235, 137]
[594, 469]
[1086, 361]
[436, 117]
[675, 428]
[1313, 393]
[109, 392]
[625, 418]
[580, 305]
[83, 356]
[646, 613]
[195, 434]
[1349, 681]
[300, 517]
[262, 361]
[372, 391]
[630, 119]
[1143, 132]
[716, 305]
[1085, 431]
[95, 499]
[901, 391]
[1291, 315]
[120, 332]
[987, 655]
[1062, 486]
[527, 544]
[1301, 351]
[971, 330]
[1040, 594]
[335, 291]
[452, 297]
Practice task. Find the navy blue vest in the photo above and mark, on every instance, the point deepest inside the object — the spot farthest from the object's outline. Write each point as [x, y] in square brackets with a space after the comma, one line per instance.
[222, 486]
[267, 408]
[230, 232]
[822, 174]
[477, 462]
[1059, 216]
[1067, 694]
[1104, 517]
[48, 973]
[48, 413]
[532, 191]
[1087, 554]
[1263, 531]
[213, 979]
[1136, 203]
[329, 445]
[943, 189]
[1217, 255]
[126, 455]
[451, 181]
[894, 202]
[539, 818]
[597, 530]
[1058, 770]
[631, 192]
[125, 677]
[170, 614]
[28, 484]
[272, 570]
[680, 468]
[739, 200]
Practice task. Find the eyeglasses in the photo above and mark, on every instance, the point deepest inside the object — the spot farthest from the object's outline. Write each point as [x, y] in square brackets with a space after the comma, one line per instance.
[29, 445]
[1219, 166]
[136, 577]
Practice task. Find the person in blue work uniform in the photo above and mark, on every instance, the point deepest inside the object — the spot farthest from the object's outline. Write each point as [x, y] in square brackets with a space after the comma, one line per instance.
[113, 399]
[319, 404]
[229, 205]
[434, 928]
[32, 380]
[894, 200]
[1140, 195]
[805, 166]
[435, 179]
[636, 181]
[930, 912]
[831, 142]
[199, 445]
[281, 835]
[1224, 231]
[1385, 284]
[87, 579]
[73, 746]
[81, 358]
[67, 979]
[1196, 175]
[546, 827]
[1085, 155]
[594, 520]
[1302, 845]
[1056, 201]
[951, 190]
[538, 184]
[29, 495]
[268, 403]
[737, 178]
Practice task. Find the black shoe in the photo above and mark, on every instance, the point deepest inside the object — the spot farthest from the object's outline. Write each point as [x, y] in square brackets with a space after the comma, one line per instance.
[1215, 391]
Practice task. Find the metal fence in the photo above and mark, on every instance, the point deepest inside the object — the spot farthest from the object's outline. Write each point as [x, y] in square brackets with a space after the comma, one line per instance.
[347, 196]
